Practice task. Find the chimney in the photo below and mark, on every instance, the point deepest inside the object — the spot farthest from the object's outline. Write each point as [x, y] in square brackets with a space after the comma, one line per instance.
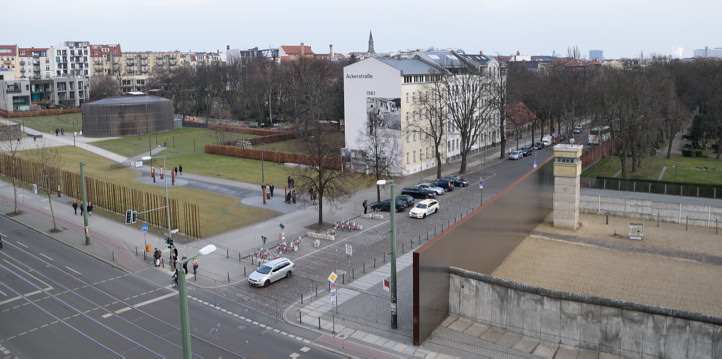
[481, 52]
[228, 47]
[330, 51]
[303, 50]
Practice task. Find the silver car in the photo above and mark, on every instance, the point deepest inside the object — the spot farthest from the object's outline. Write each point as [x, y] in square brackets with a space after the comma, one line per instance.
[270, 272]
[439, 191]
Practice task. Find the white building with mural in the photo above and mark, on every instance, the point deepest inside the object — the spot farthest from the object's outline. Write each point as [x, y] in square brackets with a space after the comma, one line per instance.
[386, 93]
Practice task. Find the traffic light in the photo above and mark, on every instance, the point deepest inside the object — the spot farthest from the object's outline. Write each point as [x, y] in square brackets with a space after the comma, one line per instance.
[169, 242]
[129, 216]
[134, 216]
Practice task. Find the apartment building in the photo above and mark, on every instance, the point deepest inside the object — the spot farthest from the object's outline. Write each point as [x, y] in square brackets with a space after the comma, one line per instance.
[8, 59]
[386, 94]
[137, 67]
[106, 59]
[72, 59]
[245, 56]
[35, 63]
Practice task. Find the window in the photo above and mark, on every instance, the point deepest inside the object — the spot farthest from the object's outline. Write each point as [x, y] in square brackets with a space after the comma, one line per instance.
[414, 136]
[414, 156]
[408, 137]
[407, 158]
[407, 98]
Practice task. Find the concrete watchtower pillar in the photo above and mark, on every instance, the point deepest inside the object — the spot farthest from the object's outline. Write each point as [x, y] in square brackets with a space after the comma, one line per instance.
[567, 168]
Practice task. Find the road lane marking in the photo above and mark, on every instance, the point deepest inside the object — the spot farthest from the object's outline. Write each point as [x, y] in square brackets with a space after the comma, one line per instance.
[73, 270]
[22, 244]
[141, 304]
[20, 297]
[3, 293]
[46, 256]
[305, 349]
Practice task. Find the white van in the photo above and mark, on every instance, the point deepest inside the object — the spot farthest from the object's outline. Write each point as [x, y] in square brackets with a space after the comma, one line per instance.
[547, 140]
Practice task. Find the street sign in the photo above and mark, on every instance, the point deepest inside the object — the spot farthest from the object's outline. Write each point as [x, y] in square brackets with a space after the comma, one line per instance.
[138, 164]
[332, 277]
[349, 250]
[387, 285]
[144, 227]
[145, 158]
[481, 184]
[332, 294]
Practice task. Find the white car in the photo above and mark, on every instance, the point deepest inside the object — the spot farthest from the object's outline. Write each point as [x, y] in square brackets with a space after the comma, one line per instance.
[424, 208]
[439, 191]
[270, 272]
[516, 155]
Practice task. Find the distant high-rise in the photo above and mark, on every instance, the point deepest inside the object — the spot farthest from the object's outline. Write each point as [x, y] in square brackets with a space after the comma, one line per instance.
[707, 52]
[596, 55]
[371, 44]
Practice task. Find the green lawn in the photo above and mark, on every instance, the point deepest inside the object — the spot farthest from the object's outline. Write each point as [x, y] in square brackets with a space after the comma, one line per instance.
[70, 122]
[679, 169]
[218, 213]
[297, 146]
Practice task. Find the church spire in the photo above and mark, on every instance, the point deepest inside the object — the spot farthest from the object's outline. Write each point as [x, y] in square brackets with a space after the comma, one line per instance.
[371, 43]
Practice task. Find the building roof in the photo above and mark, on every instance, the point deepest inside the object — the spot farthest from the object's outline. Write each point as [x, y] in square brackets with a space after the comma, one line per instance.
[8, 50]
[105, 49]
[297, 50]
[28, 51]
[129, 100]
[409, 66]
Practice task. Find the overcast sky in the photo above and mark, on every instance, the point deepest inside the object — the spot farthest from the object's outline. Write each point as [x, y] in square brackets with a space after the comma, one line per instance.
[619, 27]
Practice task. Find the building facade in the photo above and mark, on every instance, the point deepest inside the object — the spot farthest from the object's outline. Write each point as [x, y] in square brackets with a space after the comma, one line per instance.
[72, 59]
[9, 60]
[386, 94]
[596, 55]
[35, 63]
[708, 53]
[14, 95]
[106, 59]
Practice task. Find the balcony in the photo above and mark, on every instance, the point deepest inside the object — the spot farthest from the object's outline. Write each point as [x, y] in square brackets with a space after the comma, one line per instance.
[14, 89]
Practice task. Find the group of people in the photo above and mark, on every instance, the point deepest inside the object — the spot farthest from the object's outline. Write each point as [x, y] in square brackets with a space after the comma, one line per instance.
[60, 131]
[76, 205]
[174, 263]
[174, 172]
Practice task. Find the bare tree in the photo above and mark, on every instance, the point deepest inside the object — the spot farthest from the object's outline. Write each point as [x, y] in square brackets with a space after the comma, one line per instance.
[433, 120]
[471, 110]
[102, 86]
[49, 157]
[498, 86]
[11, 148]
[380, 148]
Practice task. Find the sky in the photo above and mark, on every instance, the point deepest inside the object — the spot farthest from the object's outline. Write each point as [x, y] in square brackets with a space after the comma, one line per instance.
[622, 28]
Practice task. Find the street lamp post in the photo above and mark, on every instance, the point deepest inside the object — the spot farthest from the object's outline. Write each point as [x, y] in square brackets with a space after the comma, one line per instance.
[183, 300]
[392, 245]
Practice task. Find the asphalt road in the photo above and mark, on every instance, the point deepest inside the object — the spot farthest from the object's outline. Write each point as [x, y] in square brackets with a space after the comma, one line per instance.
[56, 302]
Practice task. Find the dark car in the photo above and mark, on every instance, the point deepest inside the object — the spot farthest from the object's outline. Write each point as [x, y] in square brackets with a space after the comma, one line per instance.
[409, 200]
[458, 181]
[527, 150]
[447, 185]
[538, 146]
[419, 193]
[385, 205]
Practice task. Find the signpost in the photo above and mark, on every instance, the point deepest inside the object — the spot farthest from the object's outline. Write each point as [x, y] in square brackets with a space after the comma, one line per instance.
[387, 285]
[333, 297]
[481, 191]
[349, 252]
[144, 228]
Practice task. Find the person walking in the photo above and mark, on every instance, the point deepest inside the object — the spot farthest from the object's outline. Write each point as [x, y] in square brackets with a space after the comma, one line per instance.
[75, 207]
[156, 257]
[185, 264]
[62, 131]
[366, 206]
[90, 208]
[57, 131]
[180, 169]
[195, 268]
[271, 187]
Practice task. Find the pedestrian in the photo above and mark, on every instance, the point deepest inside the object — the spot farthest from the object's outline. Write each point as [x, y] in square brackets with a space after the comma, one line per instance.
[185, 264]
[293, 196]
[288, 197]
[366, 206]
[82, 208]
[62, 131]
[180, 169]
[57, 131]
[288, 182]
[271, 187]
[75, 207]
[156, 257]
[90, 208]
[172, 178]
[195, 268]
[175, 170]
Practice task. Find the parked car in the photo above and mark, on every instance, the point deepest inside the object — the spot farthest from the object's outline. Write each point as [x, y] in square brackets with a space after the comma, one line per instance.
[527, 151]
[538, 146]
[439, 191]
[409, 200]
[385, 205]
[577, 130]
[270, 272]
[458, 181]
[420, 193]
[424, 208]
[447, 185]
[516, 155]
[547, 140]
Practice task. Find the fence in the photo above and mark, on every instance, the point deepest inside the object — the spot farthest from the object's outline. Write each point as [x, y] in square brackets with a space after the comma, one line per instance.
[272, 156]
[651, 186]
[48, 112]
[109, 196]
[592, 154]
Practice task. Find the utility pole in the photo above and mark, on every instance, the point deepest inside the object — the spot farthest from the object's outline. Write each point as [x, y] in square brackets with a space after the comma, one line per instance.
[392, 236]
[84, 203]
[167, 201]
[184, 316]
[263, 176]
[270, 114]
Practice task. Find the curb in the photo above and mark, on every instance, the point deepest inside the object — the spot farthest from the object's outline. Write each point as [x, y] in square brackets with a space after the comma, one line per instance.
[115, 265]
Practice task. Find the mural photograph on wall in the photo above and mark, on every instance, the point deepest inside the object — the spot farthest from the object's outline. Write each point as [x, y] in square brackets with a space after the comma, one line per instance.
[383, 113]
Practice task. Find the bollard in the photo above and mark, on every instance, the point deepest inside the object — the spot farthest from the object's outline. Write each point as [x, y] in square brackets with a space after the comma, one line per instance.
[374, 262]
[316, 288]
[343, 278]
[403, 247]
[229, 276]
[427, 236]
[252, 259]
[319, 322]
[299, 316]
[353, 275]
[239, 257]
[113, 255]
[657, 218]
[136, 251]
[606, 216]
[162, 262]
[716, 229]
[686, 222]
[384, 257]
[244, 270]
[333, 324]
[144, 256]
[301, 298]
[363, 266]
[226, 252]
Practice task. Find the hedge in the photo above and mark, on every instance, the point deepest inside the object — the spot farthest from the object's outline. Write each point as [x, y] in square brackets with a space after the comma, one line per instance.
[273, 156]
